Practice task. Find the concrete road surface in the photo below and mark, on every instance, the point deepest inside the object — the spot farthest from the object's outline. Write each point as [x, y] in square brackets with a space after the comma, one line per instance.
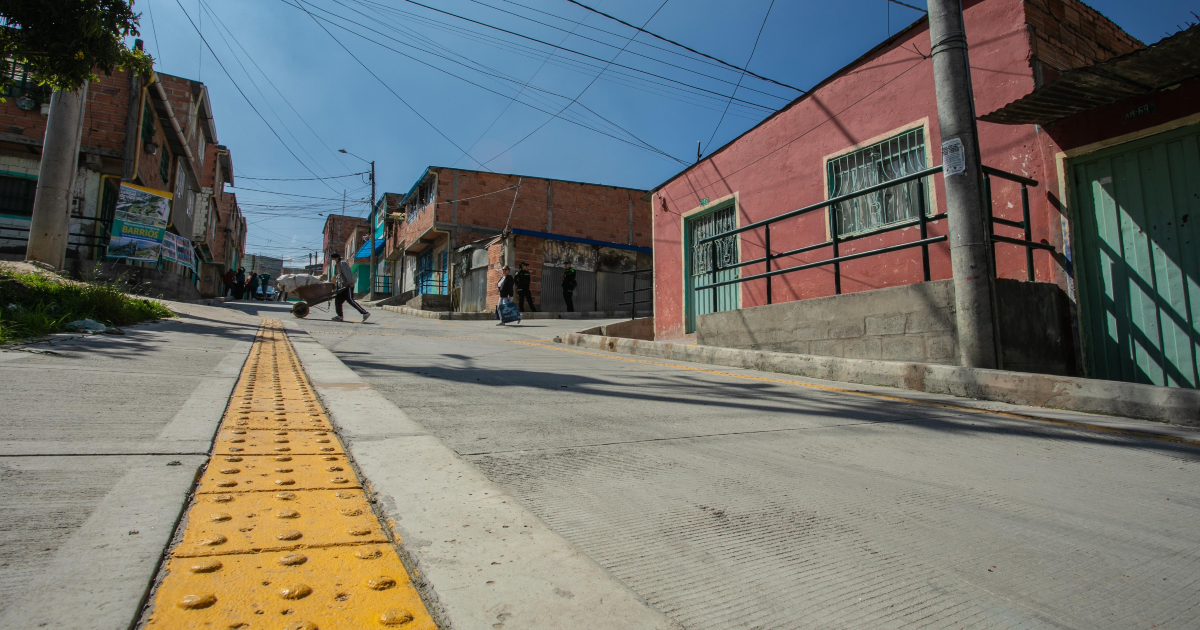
[732, 502]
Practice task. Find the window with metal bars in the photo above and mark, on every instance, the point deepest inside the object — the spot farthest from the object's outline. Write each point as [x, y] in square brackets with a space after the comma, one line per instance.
[877, 164]
[16, 195]
[21, 82]
[148, 133]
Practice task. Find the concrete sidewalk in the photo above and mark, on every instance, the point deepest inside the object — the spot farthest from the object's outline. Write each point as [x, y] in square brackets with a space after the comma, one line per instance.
[102, 440]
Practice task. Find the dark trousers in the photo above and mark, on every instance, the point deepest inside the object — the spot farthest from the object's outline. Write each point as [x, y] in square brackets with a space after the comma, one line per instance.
[345, 296]
[567, 297]
[524, 295]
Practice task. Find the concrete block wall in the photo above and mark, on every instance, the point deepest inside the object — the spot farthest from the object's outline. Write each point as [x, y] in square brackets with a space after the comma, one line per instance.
[912, 323]
[907, 323]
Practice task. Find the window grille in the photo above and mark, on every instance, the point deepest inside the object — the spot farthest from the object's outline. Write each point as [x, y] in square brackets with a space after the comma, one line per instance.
[879, 163]
[164, 167]
[148, 133]
[422, 197]
[16, 195]
[21, 82]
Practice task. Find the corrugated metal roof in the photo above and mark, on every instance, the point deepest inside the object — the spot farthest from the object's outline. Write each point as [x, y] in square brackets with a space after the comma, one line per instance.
[1170, 61]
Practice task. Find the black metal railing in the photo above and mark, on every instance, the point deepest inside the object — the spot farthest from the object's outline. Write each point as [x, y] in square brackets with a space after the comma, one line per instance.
[633, 301]
[1024, 223]
[836, 239]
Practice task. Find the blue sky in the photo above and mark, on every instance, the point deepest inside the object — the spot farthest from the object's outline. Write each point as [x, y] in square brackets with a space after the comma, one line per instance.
[318, 98]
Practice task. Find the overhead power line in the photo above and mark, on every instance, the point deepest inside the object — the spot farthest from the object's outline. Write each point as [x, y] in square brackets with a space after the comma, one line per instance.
[575, 52]
[239, 89]
[748, 60]
[384, 84]
[272, 192]
[640, 143]
[584, 90]
[496, 74]
[687, 48]
[568, 63]
[603, 43]
[266, 76]
[299, 179]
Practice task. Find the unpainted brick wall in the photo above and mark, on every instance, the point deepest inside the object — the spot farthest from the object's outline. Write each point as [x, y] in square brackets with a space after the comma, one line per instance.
[103, 121]
[592, 211]
[1067, 34]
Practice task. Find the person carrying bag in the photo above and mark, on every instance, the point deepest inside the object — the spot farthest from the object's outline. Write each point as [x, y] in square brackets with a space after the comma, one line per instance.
[506, 310]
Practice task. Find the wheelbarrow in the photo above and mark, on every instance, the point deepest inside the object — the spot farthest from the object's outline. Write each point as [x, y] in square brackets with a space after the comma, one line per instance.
[312, 295]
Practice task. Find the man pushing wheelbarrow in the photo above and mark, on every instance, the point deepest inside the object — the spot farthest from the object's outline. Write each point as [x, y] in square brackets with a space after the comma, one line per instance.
[341, 279]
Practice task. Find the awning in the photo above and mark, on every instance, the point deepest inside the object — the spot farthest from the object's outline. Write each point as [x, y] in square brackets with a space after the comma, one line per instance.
[1169, 62]
[365, 250]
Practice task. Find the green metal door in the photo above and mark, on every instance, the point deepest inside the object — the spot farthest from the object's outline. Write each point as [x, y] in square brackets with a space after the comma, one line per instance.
[1140, 252]
[700, 259]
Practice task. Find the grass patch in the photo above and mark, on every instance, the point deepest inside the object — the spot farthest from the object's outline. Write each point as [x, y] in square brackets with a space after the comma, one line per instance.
[36, 304]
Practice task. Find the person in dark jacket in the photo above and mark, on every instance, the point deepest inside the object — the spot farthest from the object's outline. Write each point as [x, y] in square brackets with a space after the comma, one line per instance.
[523, 281]
[568, 286]
[228, 279]
[239, 283]
[507, 286]
[252, 287]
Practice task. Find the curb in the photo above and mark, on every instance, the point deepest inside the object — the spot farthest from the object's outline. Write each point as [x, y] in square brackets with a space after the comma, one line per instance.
[1147, 402]
[488, 316]
[478, 557]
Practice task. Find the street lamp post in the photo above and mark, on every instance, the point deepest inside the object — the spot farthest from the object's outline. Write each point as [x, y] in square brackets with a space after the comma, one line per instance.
[371, 289]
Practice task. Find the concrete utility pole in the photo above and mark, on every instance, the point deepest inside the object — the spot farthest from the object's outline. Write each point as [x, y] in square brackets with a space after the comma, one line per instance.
[51, 219]
[374, 211]
[970, 246]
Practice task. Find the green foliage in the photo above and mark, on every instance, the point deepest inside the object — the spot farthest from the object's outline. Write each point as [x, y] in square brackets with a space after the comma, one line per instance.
[65, 42]
[34, 305]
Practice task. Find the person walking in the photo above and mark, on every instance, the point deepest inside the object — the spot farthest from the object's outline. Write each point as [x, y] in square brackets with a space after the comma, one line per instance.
[264, 281]
[252, 286]
[228, 279]
[568, 287]
[239, 283]
[507, 285]
[343, 277]
[524, 279]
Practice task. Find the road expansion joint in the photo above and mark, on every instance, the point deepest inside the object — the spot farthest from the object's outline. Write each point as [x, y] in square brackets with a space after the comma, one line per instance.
[280, 532]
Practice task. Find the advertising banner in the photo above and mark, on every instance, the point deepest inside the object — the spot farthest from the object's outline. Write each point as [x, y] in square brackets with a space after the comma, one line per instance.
[139, 223]
[178, 250]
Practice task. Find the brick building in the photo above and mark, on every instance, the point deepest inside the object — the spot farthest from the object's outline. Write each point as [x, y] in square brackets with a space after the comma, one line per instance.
[875, 121]
[338, 229]
[457, 227]
[154, 131]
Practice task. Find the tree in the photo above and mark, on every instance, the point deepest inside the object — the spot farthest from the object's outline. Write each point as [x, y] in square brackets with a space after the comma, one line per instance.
[63, 43]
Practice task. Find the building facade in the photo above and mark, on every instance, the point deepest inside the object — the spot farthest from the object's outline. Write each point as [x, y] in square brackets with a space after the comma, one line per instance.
[874, 121]
[457, 227]
[1126, 151]
[156, 132]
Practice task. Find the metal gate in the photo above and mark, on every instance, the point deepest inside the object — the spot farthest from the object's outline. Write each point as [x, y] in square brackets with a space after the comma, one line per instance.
[474, 291]
[700, 259]
[1139, 246]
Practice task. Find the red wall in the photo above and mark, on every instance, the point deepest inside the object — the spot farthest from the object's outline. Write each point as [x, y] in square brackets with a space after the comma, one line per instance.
[780, 166]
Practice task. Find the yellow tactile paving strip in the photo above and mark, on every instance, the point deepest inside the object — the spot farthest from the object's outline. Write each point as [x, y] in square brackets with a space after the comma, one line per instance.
[280, 534]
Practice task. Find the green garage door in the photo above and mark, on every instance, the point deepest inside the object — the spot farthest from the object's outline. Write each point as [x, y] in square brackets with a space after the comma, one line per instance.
[1140, 276]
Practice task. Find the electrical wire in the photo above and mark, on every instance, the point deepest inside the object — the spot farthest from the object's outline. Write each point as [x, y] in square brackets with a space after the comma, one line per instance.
[274, 87]
[385, 85]
[154, 29]
[603, 43]
[744, 71]
[482, 165]
[575, 52]
[724, 63]
[571, 64]
[582, 92]
[239, 89]
[299, 179]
